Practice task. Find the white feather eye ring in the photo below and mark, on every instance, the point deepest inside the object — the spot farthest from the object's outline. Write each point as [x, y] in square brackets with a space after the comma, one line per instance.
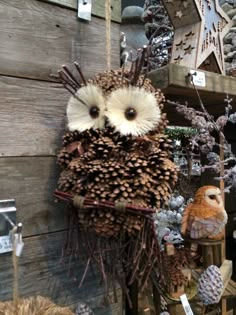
[133, 111]
[85, 110]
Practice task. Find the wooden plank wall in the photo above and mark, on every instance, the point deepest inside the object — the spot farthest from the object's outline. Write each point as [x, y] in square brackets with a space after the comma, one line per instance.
[36, 38]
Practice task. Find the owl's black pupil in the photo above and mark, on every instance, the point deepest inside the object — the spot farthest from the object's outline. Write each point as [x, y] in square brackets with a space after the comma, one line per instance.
[94, 111]
[130, 113]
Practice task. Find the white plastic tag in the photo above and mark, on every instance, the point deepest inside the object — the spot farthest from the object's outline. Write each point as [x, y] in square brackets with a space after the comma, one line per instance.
[5, 244]
[19, 244]
[186, 305]
[198, 77]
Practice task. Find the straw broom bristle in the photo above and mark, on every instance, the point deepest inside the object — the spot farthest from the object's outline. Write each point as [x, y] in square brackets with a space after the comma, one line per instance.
[33, 306]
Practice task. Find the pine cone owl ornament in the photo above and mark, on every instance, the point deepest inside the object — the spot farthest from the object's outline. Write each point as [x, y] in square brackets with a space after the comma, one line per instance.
[115, 168]
[115, 149]
[205, 217]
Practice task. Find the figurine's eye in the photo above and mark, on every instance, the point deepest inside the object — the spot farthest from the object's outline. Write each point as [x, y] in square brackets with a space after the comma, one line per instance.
[86, 109]
[212, 197]
[133, 111]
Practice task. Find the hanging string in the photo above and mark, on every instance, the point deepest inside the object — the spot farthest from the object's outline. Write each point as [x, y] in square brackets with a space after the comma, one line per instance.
[15, 270]
[108, 33]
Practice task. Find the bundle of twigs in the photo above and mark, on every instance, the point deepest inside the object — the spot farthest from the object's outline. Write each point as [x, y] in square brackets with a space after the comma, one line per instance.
[105, 217]
[120, 260]
[89, 203]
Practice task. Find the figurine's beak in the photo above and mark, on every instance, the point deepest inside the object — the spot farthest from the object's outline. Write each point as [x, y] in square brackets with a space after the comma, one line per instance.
[218, 199]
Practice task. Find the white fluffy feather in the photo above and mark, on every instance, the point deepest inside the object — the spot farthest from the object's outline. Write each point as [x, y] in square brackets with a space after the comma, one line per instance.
[79, 106]
[145, 104]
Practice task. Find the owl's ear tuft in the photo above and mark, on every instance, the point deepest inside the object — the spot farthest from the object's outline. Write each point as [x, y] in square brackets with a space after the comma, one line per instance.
[133, 111]
[85, 110]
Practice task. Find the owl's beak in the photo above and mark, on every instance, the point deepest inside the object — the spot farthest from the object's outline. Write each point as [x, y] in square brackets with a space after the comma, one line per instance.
[218, 199]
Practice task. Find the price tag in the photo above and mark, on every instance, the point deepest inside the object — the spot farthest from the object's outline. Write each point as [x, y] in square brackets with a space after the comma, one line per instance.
[5, 244]
[186, 305]
[198, 77]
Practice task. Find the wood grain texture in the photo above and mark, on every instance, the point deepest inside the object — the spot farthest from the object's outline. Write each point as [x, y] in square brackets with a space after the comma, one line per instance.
[175, 84]
[42, 272]
[176, 75]
[37, 38]
[215, 83]
[188, 58]
[32, 116]
[98, 7]
[189, 14]
[31, 182]
[226, 270]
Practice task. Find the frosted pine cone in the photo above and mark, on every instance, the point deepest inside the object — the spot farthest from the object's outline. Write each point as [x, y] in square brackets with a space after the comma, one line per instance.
[210, 285]
[83, 309]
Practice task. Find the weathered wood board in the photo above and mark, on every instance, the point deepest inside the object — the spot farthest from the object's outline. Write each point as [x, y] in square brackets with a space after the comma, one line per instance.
[31, 182]
[97, 7]
[42, 272]
[32, 117]
[37, 38]
[174, 75]
[226, 273]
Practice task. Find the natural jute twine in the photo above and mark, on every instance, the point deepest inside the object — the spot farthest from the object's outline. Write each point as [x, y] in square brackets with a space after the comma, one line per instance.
[108, 33]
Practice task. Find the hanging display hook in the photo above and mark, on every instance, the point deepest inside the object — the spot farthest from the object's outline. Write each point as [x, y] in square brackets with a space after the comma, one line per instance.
[85, 9]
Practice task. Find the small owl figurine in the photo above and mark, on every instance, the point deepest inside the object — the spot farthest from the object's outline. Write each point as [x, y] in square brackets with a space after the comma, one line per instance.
[205, 217]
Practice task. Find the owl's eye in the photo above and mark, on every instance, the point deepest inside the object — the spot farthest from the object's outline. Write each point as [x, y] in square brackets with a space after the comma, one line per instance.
[212, 197]
[133, 111]
[94, 111]
[86, 109]
[130, 113]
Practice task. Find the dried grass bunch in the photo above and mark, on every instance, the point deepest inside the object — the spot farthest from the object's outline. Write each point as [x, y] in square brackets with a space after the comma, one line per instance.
[33, 306]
